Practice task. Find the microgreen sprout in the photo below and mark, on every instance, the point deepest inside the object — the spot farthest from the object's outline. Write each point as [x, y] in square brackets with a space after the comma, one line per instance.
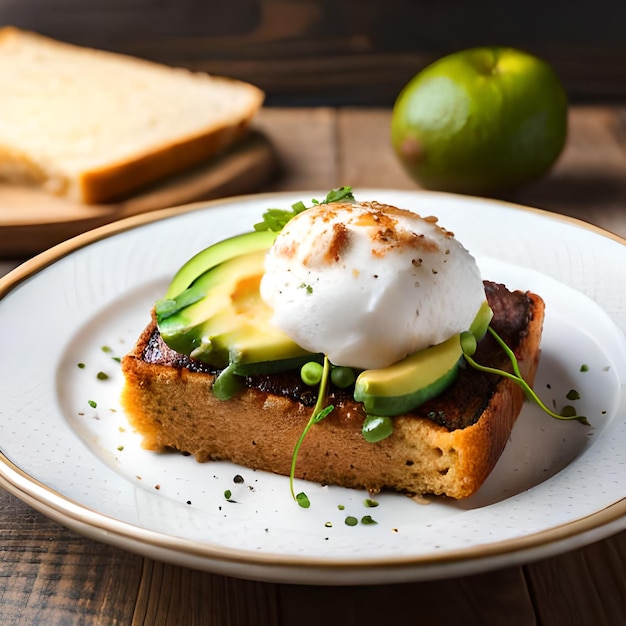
[468, 345]
[317, 416]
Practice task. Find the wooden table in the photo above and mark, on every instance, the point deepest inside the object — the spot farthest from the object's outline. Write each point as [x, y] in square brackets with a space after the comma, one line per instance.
[49, 575]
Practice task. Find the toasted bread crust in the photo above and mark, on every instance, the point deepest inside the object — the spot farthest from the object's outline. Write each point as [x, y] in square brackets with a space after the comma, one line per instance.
[173, 407]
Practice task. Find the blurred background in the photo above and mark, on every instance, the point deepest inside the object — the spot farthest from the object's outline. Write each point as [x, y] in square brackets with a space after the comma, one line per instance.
[348, 52]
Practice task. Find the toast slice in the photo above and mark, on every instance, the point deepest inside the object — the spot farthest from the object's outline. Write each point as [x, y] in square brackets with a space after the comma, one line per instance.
[448, 446]
[95, 126]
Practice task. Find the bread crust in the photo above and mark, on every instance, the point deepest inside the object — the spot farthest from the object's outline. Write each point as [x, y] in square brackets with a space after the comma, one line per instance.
[117, 180]
[173, 407]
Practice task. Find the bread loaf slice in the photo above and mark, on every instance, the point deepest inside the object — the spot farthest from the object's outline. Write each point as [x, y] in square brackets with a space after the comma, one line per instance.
[448, 446]
[95, 126]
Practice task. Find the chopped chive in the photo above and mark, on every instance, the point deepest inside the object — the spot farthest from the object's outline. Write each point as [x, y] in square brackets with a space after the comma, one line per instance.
[303, 500]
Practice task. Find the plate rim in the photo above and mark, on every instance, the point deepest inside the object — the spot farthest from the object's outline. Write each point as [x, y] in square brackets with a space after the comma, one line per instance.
[117, 532]
[100, 526]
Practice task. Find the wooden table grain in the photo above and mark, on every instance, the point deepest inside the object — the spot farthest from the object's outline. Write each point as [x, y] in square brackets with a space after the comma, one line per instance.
[49, 575]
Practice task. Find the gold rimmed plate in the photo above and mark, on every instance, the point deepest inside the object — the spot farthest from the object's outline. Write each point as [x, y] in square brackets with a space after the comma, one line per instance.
[67, 448]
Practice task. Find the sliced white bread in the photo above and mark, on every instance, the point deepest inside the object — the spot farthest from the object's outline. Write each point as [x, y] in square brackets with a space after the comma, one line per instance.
[95, 126]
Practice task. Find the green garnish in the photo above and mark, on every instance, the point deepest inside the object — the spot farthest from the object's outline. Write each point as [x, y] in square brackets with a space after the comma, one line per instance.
[317, 416]
[303, 500]
[336, 195]
[275, 219]
[368, 502]
[227, 384]
[351, 520]
[367, 520]
[584, 367]
[468, 345]
[572, 394]
[311, 373]
[81, 366]
[342, 377]
[102, 376]
[92, 403]
[376, 428]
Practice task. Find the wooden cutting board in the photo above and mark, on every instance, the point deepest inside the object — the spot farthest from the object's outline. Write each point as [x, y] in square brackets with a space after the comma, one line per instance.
[32, 221]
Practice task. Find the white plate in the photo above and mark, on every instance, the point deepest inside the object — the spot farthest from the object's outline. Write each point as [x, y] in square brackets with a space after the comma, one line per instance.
[558, 485]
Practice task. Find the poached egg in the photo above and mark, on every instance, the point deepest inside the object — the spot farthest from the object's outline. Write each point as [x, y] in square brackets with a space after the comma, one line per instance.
[367, 284]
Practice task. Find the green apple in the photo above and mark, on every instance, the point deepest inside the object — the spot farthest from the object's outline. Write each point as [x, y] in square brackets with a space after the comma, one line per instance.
[480, 121]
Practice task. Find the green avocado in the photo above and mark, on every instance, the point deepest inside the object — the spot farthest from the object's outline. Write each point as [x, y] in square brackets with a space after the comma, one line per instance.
[403, 386]
[408, 383]
[221, 319]
[252, 347]
[216, 254]
[180, 319]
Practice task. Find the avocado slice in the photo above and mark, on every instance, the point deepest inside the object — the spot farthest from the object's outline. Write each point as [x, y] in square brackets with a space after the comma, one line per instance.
[400, 387]
[410, 382]
[221, 320]
[250, 349]
[216, 254]
[180, 319]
